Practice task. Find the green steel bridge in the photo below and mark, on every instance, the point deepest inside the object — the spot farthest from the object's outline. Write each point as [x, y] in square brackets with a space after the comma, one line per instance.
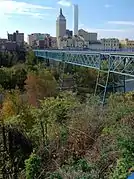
[108, 63]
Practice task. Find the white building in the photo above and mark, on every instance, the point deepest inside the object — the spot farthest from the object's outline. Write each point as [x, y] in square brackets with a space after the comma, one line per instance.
[53, 42]
[60, 25]
[78, 42]
[31, 39]
[76, 19]
[62, 42]
[70, 43]
[110, 44]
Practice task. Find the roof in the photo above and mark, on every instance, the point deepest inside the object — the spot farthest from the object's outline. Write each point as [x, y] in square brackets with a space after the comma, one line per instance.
[61, 16]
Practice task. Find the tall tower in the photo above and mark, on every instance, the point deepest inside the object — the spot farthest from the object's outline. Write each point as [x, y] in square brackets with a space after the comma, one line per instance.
[76, 19]
[60, 25]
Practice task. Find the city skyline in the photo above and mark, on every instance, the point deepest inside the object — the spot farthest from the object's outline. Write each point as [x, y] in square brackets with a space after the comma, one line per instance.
[108, 18]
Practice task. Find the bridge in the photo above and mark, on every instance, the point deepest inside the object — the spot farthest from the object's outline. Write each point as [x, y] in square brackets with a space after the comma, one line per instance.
[119, 63]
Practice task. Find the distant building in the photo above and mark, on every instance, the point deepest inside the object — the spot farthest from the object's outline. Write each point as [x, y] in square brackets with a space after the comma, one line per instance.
[69, 33]
[53, 42]
[40, 44]
[88, 36]
[110, 44]
[3, 41]
[16, 37]
[128, 44]
[32, 38]
[60, 25]
[8, 46]
[70, 43]
[47, 43]
[10, 37]
[76, 19]
[95, 45]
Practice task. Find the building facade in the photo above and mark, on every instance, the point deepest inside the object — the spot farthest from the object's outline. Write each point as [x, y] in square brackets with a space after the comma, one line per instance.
[60, 25]
[96, 46]
[48, 43]
[88, 36]
[3, 41]
[32, 38]
[8, 46]
[110, 44]
[54, 42]
[127, 44]
[69, 33]
[70, 43]
[76, 19]
[16, 37]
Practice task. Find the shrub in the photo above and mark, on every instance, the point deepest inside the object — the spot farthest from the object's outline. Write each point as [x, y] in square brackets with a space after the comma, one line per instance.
[33, 167]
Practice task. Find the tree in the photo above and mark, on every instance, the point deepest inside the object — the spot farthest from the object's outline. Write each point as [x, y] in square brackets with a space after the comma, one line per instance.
[30, 58]
[20, 76]
[39, 85]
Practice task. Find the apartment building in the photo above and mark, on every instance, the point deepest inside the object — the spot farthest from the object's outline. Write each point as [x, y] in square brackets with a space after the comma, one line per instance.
[16, 37]
[128, 44]
[110, 43]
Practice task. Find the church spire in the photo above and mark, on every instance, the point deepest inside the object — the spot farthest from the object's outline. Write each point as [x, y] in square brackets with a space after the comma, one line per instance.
[61, 11]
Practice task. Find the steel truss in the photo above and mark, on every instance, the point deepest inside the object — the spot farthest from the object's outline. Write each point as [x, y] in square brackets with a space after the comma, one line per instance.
[111, 64]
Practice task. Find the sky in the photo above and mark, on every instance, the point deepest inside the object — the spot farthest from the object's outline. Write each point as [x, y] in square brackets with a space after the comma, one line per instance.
[109, 18]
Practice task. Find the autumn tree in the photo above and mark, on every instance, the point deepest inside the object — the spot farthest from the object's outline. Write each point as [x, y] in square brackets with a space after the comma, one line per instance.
[13, 103]
[39, 85]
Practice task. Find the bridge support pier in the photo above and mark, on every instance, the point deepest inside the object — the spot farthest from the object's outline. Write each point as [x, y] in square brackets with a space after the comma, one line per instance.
[107, 83]
[102, 85]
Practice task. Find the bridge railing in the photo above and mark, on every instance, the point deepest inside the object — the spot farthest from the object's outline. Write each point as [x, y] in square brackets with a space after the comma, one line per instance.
[119, 63]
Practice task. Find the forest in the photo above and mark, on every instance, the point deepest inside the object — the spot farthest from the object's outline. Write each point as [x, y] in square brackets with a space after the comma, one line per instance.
[49, 133]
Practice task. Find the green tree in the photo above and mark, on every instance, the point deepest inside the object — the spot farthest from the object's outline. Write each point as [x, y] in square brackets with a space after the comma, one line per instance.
[30, 58]
[33, 167]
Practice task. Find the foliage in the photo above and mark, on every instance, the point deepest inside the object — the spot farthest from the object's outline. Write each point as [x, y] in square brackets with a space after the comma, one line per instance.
[85, 77]
[72, 138]
[39, 85]
[12, 104]
[12, 77]
[76, 170]
[30, 59]
[123, 165]
[33, 166]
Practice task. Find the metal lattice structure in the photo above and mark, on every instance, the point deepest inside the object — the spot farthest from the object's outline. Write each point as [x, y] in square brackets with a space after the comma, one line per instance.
[106, 62]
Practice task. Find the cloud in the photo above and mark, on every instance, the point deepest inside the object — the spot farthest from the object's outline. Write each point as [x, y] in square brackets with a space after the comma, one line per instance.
[104, 30]
[130, 23]
[107, 5]
[66, 3]
[9, 7]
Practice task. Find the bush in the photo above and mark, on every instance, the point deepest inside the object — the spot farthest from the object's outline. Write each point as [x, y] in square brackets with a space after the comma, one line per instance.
[33, 167]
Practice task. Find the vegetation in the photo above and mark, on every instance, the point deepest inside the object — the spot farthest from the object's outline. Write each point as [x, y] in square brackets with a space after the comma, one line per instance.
[53, 134]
